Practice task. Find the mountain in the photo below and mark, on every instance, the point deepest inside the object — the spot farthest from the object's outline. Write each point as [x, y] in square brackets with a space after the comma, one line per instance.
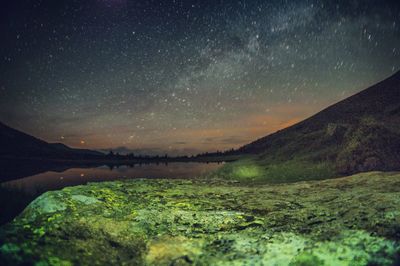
[360, 133]
[16, 144]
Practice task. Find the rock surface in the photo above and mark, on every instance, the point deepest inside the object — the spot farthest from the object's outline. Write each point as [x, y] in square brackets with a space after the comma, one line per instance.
[346, 221]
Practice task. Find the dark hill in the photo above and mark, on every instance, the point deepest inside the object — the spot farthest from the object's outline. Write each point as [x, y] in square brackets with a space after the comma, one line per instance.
[16, 144]
[360, 133]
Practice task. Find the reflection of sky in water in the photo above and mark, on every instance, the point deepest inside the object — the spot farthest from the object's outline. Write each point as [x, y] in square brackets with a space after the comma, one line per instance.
[76, 176]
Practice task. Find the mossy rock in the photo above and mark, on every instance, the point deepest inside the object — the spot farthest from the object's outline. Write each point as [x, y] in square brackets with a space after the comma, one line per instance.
[345, 221]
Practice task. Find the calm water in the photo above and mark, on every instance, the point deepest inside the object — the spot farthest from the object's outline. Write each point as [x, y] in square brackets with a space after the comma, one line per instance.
[15, 195]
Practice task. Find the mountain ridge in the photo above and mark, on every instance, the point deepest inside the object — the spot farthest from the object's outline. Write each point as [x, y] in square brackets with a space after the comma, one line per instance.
[362, 94]
[360, 133]
[15, 143]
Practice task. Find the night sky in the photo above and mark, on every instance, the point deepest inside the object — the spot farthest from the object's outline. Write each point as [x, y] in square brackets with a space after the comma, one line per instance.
[185, 76]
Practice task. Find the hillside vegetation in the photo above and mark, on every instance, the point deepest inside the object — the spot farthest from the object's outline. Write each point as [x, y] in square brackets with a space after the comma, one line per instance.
[358, 134]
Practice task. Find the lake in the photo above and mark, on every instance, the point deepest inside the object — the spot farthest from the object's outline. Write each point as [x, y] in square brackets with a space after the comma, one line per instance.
[15, 195]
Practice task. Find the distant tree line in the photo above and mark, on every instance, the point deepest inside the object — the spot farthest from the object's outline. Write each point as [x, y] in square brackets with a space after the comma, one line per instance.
[138, 157]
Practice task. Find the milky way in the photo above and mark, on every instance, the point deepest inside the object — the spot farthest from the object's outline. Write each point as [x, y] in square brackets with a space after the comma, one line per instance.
[185, 76]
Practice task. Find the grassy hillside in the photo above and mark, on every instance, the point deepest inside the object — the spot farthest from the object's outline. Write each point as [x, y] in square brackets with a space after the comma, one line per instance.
[358, 134]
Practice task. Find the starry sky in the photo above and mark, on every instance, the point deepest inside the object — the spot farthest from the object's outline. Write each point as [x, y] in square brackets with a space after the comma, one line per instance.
[185, 76]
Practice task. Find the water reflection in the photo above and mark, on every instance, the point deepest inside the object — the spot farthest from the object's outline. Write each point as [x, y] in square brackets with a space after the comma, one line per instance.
[76, 176]
[17, 194]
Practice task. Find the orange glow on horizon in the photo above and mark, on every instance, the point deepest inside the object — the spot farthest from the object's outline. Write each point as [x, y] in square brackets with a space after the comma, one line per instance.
[231, 134]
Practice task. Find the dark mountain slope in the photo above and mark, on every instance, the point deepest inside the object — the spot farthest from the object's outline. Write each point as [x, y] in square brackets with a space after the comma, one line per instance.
[14, 143]
[360, 133]
[380, 102]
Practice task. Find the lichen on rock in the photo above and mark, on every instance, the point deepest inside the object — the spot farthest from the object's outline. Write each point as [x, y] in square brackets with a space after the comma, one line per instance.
[346, 221]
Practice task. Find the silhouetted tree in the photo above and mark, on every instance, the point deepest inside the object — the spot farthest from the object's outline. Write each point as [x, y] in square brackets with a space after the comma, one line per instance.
[111, 154]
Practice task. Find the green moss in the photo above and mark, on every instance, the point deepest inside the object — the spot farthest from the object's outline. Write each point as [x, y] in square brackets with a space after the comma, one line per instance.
[39, 231]
[306, 259]
[354, 248]
[9, 248]
[53, 261]
[210, 222]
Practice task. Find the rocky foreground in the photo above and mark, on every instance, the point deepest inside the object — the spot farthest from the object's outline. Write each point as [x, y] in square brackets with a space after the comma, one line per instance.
[346, 221]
